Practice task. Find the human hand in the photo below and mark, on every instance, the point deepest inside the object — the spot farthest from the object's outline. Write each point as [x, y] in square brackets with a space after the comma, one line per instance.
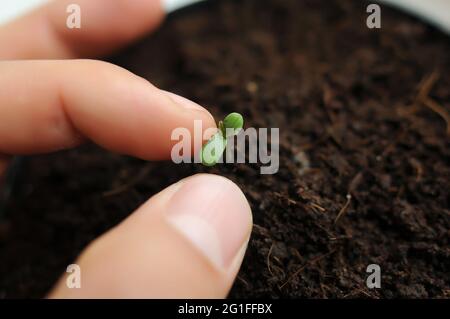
[187, 241]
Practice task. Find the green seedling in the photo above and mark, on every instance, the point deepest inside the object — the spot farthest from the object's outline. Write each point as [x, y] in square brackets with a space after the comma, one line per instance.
[214, 148]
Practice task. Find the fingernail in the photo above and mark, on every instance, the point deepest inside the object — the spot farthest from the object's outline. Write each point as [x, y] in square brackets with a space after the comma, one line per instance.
[184, 102]
[214, 215]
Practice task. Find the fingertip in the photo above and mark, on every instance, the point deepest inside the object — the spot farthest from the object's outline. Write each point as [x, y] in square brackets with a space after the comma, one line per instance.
[214, 214]
[131, 115]
[105, 26]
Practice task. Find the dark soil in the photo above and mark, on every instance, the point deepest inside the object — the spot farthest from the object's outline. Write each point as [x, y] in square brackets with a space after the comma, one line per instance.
[360, 112]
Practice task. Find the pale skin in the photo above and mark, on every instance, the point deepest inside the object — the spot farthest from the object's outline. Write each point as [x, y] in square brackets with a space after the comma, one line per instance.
[49, 101]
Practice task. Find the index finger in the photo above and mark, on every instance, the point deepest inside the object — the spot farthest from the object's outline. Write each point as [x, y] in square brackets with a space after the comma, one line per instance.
[52, 105]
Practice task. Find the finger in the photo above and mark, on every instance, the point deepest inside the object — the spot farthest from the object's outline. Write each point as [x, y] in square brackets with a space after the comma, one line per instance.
[188, 241]
[52, 105]
[105, 25]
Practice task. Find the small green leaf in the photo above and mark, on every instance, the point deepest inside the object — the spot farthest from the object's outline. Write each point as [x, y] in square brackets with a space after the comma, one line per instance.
[233, 121]
[213, 149]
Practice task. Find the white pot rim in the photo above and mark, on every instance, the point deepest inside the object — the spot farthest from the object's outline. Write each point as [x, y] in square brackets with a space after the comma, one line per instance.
[435, 12]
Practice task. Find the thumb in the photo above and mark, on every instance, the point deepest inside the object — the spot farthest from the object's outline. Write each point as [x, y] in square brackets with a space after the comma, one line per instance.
[188, 241]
